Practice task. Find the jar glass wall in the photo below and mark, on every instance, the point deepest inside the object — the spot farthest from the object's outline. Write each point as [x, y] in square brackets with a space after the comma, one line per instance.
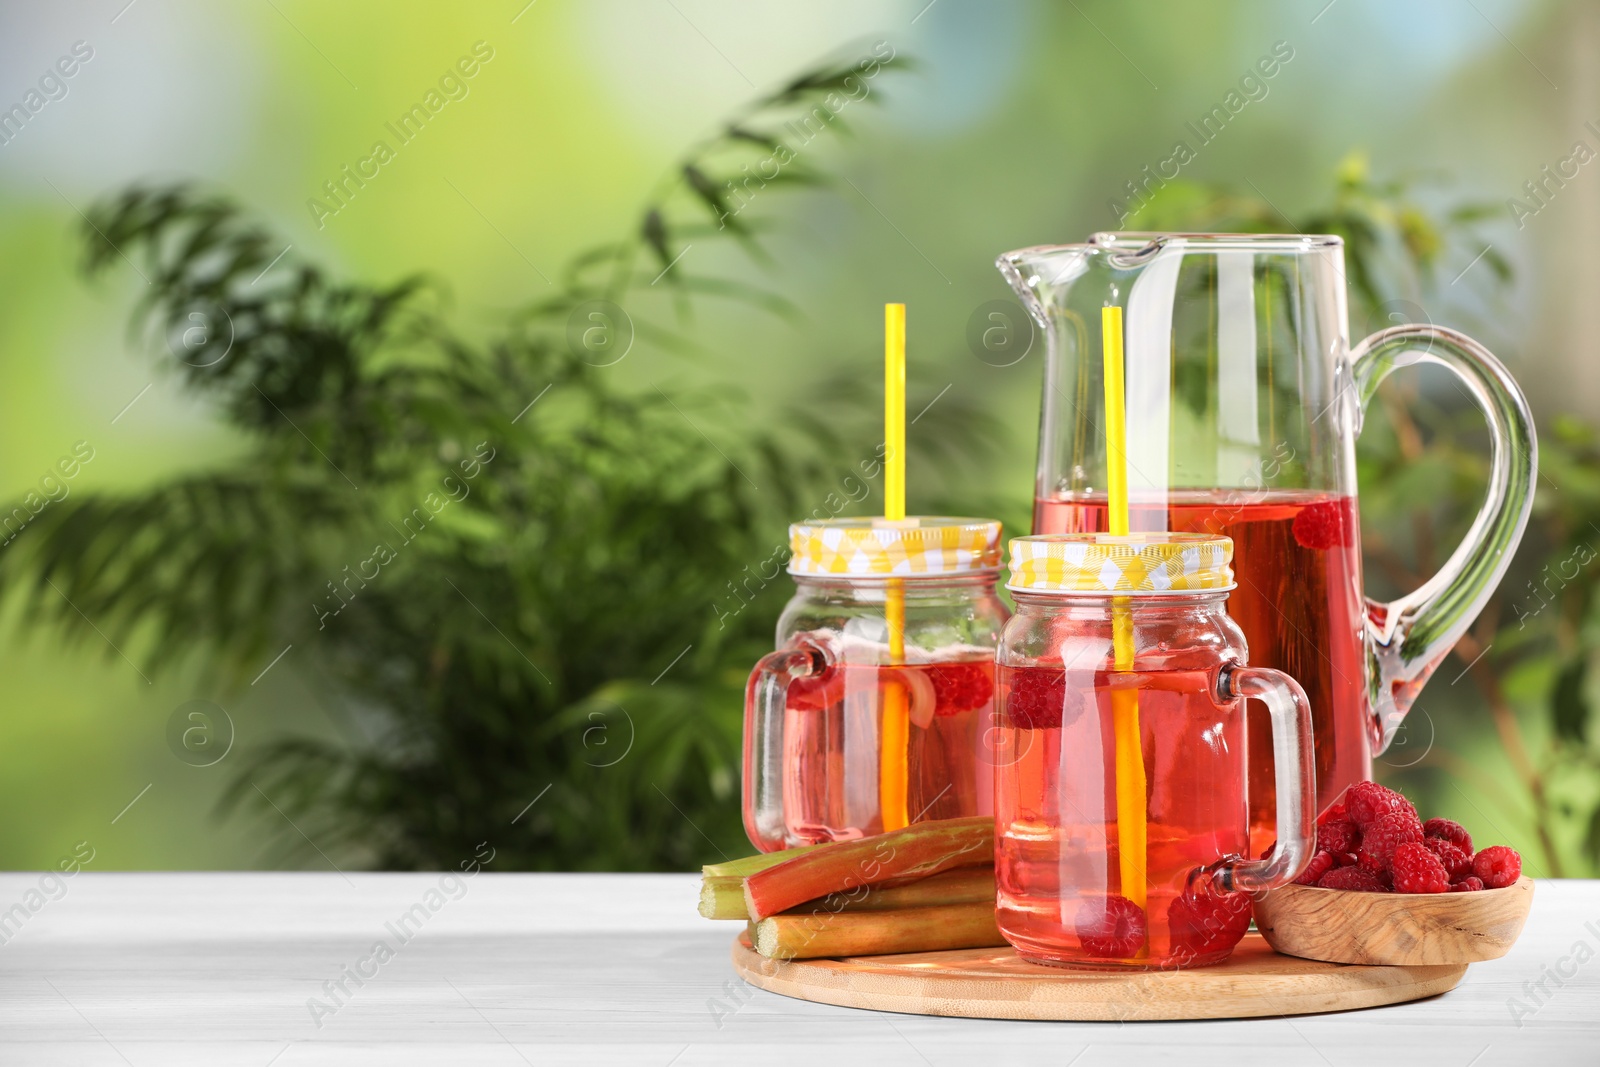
[876, 709]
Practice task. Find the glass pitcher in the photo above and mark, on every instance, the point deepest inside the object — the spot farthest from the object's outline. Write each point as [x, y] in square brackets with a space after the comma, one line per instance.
[875, 710]
[1243, 402]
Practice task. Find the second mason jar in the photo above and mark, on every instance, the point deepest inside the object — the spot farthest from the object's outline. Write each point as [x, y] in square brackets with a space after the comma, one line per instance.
[875, 710]
[1122, 807]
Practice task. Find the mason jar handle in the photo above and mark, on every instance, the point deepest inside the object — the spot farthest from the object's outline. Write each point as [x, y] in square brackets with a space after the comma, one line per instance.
[1408, 638]
[1296, 781]
[765, 696]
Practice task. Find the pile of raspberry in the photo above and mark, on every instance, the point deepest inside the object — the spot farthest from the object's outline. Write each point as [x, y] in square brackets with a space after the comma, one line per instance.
[1373, 841]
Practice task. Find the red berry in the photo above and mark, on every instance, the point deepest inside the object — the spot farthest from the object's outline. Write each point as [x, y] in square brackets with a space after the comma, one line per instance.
[1036, 697]
[1456, 862]
[1466, 885]
[1113, 928]
[1381, 839]
[1368, 802]
[1452, 832]
[1321, 863]
[1497, 866]
[1416, 870]
[959, 687]
[1335, 813]
[1323, 525]
[1345, 859]
[1204, 922]
[1338, 836]
[1352, 878]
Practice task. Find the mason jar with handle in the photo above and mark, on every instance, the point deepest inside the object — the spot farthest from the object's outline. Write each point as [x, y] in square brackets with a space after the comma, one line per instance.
[1122, 835]
[1244, 399]
[877, 708]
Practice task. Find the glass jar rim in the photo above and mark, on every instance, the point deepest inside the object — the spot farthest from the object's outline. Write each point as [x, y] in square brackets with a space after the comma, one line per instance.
[1023, 592]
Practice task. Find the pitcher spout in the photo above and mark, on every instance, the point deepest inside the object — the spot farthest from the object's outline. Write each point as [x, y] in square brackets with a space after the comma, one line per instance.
[1039, 275]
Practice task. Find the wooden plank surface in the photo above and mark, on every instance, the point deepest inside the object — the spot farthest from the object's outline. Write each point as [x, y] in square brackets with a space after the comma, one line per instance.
[218, 969]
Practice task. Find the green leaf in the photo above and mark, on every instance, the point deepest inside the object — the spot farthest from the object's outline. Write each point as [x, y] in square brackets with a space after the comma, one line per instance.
[1569, 705]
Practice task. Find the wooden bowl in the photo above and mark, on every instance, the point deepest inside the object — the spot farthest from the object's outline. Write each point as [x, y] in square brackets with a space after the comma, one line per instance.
[1397, 929]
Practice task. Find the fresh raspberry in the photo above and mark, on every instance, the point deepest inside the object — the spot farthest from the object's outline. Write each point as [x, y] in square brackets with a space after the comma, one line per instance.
[1113, 928]
[1338, 836]
[1336, 813]
[1381, 839]
[1497, 866]
[1416, 870]
[1321, 863]
[1345, 859]
[1452, 832]
[959, 687]
[1035, 698]
[1323, 525]
[1352, 878]
[1204, 922]
[1456, 862]
[1466, 885]
[1368, 802]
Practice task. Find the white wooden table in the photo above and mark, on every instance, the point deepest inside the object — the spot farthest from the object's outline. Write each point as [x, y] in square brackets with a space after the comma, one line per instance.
[223, 969]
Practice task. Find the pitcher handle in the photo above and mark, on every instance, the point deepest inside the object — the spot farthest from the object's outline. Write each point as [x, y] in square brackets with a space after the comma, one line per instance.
[1407, 638]
[1296, 780]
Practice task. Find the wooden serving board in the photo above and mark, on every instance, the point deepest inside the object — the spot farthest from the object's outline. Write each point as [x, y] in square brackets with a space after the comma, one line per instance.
[993, 983]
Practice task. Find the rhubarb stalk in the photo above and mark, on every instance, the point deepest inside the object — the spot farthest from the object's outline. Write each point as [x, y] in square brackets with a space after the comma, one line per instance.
[878, 933]
[965, 885]
[722, 897]
[844, 866]
[745, 866]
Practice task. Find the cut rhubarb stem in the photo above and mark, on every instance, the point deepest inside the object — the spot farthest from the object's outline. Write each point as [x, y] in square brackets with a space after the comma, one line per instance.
[845, 866]
[877, 933]
[722, 898]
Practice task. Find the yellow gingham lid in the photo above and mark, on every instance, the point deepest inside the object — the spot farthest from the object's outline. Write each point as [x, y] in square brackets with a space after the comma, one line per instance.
[1127, 563]
[873, 547]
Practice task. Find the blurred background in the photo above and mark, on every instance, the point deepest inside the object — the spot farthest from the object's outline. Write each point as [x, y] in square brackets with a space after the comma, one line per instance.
[178, 689]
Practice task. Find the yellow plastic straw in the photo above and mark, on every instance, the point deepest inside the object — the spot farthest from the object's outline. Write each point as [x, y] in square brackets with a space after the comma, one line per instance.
[1131, 837]
[896, 739]
[894, 411]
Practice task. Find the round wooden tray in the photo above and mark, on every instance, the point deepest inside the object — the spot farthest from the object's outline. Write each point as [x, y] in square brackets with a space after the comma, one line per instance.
[993, 983]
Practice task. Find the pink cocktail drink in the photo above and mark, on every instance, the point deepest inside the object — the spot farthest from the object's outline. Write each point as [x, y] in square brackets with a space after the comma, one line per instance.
[1058, 868]
[833, 725]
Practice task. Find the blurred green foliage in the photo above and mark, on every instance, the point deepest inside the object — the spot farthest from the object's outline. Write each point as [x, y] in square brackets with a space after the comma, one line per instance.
[524, 574]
